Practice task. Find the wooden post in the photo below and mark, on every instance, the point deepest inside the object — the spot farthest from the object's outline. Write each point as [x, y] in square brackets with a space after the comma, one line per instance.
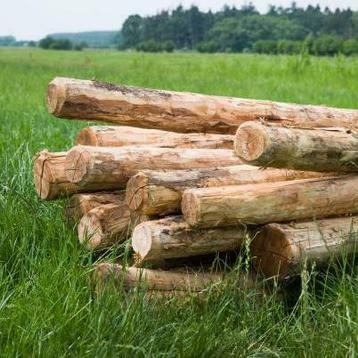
[153, 192]
[80, 204]
[109, 168]
[271, 202]
[170, 238]
[283, 249]
[50, 178]
[120, 136]
[182, 112]
[303, 149]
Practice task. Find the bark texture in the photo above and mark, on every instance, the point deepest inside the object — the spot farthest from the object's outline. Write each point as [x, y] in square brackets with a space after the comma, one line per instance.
[80, 204]
[50, 178]
[153, 192]
[182, 112]
[109, 168]
[120, 136]
[302, 149]
[284, 249]
[271, 202]
[170, 238]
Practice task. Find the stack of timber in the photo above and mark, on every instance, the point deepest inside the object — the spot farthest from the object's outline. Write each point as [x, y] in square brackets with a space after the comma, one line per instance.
[186, 176]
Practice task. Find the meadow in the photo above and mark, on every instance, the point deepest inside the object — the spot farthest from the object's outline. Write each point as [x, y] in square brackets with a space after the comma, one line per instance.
[46, 305]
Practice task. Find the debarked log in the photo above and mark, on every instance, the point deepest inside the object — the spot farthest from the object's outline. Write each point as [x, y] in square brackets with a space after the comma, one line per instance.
[286, 249]
[300, 149]
[180, 111]
[271, 202]
[120, 136]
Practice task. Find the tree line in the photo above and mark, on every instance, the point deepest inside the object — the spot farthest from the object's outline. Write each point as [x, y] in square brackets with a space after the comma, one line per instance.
[286, 30]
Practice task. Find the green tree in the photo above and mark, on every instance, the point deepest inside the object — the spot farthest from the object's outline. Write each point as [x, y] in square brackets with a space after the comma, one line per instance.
[46, 42]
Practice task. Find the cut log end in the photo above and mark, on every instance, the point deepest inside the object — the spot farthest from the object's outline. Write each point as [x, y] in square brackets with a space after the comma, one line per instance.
[77, 164]
[56, 95]
[137, 191]
[90, 233]
[272, 251]
[251, 141]
[42, 176]
[87, 137]
[190, 207]
[142, 241]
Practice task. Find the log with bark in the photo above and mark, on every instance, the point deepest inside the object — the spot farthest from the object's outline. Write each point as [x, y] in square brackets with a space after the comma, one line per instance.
[80, 204]
[107, 225]
[120, 136]
[159, 240]
[153, 192]
[109, 168]
[106, 275]
[302, 149]
[285, 249]
[182, 112]
[50, 178]
[271, 202]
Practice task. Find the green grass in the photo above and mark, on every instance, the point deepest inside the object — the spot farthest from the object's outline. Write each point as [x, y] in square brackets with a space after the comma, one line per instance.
[46, 306]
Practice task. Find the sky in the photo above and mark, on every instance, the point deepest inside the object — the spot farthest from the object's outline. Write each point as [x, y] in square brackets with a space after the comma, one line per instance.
[33, 19]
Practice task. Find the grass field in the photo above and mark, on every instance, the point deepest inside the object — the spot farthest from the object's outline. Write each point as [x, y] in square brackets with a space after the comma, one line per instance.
[46, 306]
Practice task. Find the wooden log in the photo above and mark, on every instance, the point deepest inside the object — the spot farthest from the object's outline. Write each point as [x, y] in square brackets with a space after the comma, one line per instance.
[120, 136]
[152, 192]
[107, 225]
[80, 204]
[302, 149]
[284, 249]
[50, 178]
[105, 274]
[182, 112]
[271, 202]
[171, 238]
[109, 168]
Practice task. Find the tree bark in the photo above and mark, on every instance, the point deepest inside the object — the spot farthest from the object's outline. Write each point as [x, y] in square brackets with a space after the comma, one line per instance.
[171, 238]
[302, 149]
[182, 112]
[118, 136]
[153, 192]
[80, 204]
[50, 178]
[107, 225]
[109, 168]
[271, 202]
[284, 249]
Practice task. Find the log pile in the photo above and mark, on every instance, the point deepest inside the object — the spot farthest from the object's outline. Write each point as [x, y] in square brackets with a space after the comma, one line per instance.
[174, 181]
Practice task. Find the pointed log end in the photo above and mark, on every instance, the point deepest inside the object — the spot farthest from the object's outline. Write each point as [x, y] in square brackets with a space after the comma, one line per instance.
[103, 274]
[190, 207]
[251, 141]
[87, 137]
[137, 191]
[272, 251]
[90, 233]
[78, 161]
[42, 176]
[142, 241]
[56, 95]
